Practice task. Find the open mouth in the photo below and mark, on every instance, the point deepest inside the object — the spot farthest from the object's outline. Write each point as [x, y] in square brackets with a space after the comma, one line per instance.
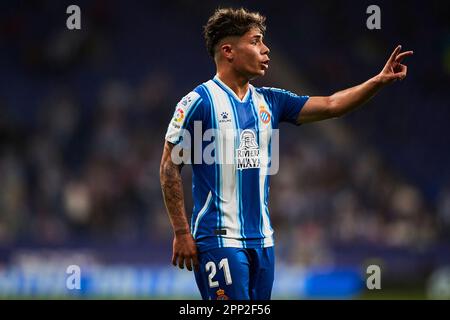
[265, 64]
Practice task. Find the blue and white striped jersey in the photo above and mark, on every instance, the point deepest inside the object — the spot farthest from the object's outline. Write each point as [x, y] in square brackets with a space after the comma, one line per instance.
[231, 193]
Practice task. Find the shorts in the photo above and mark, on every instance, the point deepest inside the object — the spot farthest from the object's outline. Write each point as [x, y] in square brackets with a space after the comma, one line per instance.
[236, 273]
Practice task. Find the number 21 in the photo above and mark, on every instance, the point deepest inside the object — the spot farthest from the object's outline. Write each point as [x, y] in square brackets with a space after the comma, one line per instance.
[211, 267]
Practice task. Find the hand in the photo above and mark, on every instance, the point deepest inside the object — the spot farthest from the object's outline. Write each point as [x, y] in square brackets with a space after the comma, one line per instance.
[185, 251]
[394, 69]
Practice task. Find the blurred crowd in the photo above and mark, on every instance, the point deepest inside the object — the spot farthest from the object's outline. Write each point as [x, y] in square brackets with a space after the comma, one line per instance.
[79, 159]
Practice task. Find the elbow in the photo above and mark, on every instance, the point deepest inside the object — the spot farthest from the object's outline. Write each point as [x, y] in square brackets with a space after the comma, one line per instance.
[164, 171]
[168, 171]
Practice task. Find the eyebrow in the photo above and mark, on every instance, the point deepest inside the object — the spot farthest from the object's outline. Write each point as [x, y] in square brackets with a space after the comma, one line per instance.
[259, 36]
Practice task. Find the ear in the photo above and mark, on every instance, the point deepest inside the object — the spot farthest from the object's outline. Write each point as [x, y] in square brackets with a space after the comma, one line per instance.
[227, 51]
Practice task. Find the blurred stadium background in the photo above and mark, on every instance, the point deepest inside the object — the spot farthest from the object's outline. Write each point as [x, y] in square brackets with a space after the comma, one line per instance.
[82, 121]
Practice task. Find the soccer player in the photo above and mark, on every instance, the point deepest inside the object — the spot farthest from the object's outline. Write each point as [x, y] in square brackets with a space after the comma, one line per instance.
[229, 241]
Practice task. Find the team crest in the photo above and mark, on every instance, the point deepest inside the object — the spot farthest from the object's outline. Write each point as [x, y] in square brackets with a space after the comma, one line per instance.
[247, 155]
[221, 295]
[264, 115]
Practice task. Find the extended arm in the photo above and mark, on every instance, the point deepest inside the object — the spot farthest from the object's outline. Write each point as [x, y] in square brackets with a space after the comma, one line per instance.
[345, 101]
[184, 248]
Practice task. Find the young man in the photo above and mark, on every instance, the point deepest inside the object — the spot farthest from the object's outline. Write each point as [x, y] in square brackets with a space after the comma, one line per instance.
[230, 239]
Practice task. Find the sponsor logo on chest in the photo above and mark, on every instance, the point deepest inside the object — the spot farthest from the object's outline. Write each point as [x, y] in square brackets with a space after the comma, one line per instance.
[247, 155]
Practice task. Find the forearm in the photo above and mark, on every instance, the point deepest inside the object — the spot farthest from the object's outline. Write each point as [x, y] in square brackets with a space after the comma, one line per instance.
[172, 189]
[342, 102]
[347, 100]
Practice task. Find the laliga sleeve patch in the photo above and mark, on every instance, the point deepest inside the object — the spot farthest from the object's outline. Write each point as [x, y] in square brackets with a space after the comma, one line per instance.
[183, 112]
[182, 108]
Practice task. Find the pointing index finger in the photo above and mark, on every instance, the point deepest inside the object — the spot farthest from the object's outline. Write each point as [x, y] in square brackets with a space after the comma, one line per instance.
[395, 53]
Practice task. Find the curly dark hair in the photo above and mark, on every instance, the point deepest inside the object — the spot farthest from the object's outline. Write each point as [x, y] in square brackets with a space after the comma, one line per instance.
[230, 22]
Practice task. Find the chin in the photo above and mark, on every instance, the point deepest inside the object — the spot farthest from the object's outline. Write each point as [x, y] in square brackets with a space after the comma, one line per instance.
[256, 75]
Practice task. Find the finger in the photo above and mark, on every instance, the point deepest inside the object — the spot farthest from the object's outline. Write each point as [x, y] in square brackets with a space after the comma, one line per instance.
[189, 264]
[402, 55]
[395, 53]
[402, 74]
[404, 71]
[181, 262]
[174, 259]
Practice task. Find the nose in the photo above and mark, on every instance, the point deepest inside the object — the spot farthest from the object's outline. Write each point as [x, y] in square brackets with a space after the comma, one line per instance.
[265, 50]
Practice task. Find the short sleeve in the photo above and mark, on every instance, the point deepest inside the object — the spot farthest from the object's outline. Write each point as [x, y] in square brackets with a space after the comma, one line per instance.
[287, 104]
[186, 112]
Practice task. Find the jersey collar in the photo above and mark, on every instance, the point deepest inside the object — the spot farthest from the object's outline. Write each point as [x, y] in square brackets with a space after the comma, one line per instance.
[228, 90]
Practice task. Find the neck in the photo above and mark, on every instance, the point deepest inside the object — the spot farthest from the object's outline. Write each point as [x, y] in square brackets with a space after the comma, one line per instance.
[235, 82]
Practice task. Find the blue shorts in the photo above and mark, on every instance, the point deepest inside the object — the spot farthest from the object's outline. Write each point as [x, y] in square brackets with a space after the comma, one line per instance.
[236, 273]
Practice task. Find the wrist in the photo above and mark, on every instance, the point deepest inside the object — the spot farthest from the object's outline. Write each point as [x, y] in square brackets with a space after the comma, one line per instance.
[379, 80]
[181, 232]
